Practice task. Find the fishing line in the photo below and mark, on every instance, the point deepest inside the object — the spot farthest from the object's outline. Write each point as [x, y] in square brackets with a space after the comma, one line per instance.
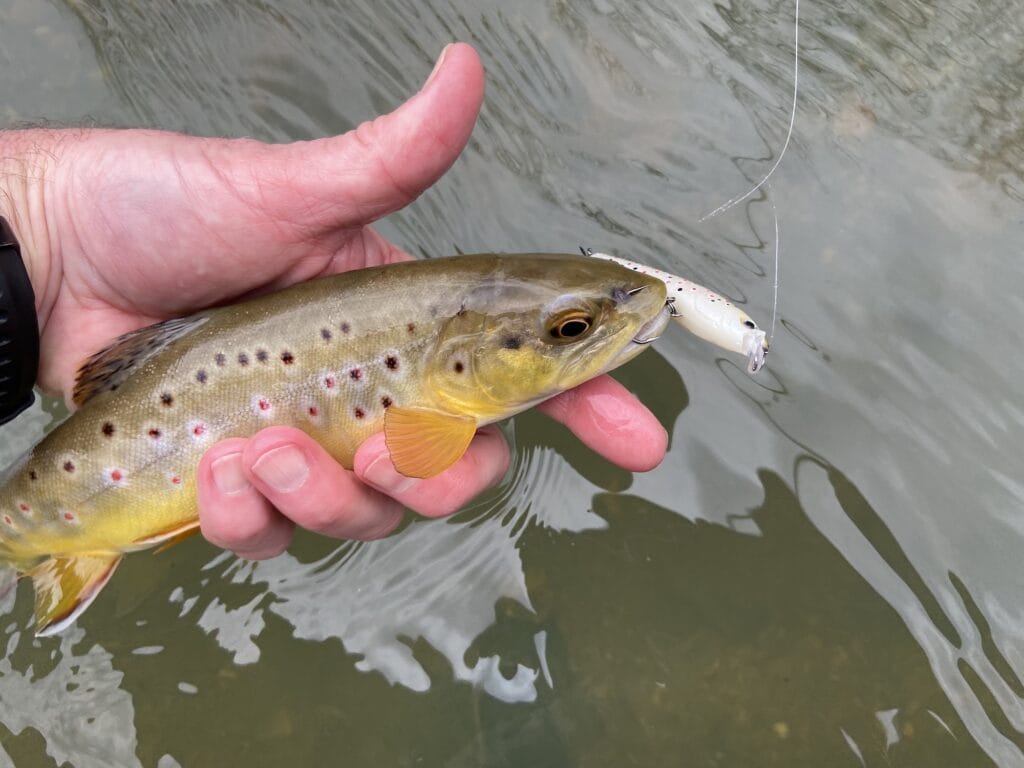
[775, 283]
[764, 181]
[789, 133]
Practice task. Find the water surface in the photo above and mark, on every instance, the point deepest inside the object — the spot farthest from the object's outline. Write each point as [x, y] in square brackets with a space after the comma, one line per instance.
[826, 568]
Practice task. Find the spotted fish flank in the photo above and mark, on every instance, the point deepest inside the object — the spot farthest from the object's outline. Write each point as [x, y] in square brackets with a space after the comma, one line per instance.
[426, 351]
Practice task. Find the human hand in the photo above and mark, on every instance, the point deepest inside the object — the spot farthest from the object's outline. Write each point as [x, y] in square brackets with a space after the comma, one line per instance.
[120, 229]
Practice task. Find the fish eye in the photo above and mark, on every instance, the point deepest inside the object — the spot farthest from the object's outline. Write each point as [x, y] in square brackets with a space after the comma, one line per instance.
[750, 324]
[571, 326]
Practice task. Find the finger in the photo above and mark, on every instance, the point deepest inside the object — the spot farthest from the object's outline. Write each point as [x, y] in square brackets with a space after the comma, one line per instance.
[309, 487]
[232, 513]
[485, 462]
[385, 164]
[608, 418]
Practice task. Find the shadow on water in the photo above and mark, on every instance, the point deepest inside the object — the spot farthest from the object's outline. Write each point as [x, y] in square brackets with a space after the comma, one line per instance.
[771, 646]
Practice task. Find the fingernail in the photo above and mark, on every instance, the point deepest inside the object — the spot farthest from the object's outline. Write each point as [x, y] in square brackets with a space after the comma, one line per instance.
[437, 66]
[228, 475]
[383, 476]
[283, 469]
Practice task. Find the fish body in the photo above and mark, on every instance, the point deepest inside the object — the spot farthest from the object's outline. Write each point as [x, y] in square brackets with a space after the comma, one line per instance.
[706, 314]
[425, 350]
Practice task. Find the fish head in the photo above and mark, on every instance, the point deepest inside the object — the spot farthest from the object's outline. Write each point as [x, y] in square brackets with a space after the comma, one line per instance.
[540, 327]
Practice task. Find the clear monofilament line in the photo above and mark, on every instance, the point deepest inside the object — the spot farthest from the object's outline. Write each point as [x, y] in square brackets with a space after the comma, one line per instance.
[775, 282]
[789, 133]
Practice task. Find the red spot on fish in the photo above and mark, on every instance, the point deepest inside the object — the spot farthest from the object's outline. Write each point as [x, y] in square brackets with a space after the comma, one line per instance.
[263, 404]
[355, 374]
[329, 382]
[116, 476]
[69, 515]
[313, 411]
[199, 430]
[154, 433]
[7, 519]
[24, 507]
[359, 413]
[176, 480]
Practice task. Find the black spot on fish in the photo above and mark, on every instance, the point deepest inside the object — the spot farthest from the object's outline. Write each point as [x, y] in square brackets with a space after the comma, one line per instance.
[345, 327]
[69, 466]
[262, 356]
[154, 433]
[220, 359]
[33, 475]
[462, 311]
[355, 374]
[385, 401]
[411, 327]
[108, 429]
[167, 399]
[620, 295]
[511, 342]
[243, 359]
[287, 358]
[359, 413]
[325, 334]
[459, 367]
[391, 362]
[201, 376]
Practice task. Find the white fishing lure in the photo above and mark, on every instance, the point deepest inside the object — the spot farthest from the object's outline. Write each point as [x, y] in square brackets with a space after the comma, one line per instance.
[706, 314]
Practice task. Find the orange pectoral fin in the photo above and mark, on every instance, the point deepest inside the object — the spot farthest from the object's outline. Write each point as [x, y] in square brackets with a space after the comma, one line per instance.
[424, 442]
[66, 586]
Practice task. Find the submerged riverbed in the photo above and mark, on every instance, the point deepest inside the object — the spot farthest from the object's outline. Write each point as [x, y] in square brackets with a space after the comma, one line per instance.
[826, 568]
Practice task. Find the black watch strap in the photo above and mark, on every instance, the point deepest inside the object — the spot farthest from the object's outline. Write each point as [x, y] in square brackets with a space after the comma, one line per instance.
[19, 329]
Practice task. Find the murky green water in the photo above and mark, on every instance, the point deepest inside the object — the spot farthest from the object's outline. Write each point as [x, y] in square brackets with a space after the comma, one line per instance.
[826, 570]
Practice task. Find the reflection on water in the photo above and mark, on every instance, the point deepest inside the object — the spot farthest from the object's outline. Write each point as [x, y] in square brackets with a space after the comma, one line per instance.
[824, 571]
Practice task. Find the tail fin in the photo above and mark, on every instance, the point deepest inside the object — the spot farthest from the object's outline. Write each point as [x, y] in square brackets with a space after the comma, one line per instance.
[66, 586]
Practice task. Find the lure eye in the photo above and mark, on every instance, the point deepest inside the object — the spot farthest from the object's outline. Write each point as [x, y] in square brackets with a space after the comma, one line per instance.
[571, 327]
[750, 324]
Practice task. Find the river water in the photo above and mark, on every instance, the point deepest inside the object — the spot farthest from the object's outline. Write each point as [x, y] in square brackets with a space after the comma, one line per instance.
[826, 569]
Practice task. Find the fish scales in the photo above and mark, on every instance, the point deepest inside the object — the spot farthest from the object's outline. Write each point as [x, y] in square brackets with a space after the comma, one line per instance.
[330, 357]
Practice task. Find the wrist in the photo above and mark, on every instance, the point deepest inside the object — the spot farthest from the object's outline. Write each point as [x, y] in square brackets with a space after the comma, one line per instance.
[27, 163]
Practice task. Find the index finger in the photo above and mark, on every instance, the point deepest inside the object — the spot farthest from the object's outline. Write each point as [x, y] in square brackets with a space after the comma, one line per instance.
[610, 420]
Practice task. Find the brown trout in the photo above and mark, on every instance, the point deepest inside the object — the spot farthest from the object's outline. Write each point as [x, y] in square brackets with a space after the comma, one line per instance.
[426, 351]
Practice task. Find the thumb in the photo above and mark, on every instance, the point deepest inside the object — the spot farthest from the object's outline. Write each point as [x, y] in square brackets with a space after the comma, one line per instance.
[385, 164]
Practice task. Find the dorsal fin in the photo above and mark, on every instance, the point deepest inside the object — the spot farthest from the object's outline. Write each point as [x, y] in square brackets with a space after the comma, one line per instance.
[107, 370]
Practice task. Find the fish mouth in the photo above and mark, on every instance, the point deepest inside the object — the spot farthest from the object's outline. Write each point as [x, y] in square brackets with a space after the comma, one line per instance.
[652, 329]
